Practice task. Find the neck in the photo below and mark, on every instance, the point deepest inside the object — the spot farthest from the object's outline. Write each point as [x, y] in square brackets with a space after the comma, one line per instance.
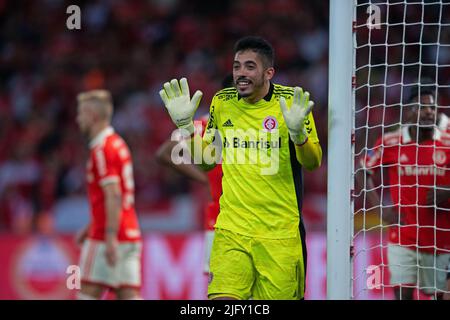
[97, 128]
[424, 133]
[259, 94]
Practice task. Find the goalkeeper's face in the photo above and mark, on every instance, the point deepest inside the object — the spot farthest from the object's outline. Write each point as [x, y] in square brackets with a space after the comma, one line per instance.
[250, 76]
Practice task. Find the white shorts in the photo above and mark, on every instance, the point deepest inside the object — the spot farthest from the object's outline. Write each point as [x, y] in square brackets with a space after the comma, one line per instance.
[424, 270]
[96, 270]
[207, 245]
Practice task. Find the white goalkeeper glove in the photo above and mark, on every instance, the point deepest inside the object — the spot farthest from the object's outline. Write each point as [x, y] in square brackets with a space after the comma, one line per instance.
[181, 107]
[296, 115]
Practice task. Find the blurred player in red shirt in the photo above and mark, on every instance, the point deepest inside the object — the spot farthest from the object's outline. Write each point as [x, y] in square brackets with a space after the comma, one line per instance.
[111, 243]
[417, 159]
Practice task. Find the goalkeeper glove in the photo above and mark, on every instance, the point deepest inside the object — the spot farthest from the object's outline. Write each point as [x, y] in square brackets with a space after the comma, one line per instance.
[296, 115]
[181, 107]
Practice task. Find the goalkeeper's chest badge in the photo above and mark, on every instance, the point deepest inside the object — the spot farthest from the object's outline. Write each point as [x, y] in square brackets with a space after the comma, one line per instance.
[269, 123]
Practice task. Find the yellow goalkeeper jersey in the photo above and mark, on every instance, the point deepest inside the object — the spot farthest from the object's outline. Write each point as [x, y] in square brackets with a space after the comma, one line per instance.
[262, 179]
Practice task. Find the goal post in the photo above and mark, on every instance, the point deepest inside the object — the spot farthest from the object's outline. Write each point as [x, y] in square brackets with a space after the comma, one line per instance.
[339, 208]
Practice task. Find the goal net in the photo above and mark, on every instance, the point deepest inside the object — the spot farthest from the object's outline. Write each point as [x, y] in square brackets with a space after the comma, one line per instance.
[398, 237]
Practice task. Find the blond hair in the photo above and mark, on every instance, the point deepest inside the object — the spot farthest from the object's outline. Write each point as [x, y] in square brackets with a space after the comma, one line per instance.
[101, 99]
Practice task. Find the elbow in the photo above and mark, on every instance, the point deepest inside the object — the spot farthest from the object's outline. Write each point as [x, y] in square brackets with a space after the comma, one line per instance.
[164, 153]
[161, 158]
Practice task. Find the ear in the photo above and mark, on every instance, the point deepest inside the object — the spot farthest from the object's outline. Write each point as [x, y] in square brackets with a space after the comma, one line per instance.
[269, 73]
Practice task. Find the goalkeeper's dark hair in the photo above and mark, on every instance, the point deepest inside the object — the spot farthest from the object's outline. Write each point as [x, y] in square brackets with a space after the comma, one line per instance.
[424, 88]
[258, 45]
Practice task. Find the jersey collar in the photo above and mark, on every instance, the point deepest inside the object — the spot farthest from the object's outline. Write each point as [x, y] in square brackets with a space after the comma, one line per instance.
[443, 122]
[100, 137]
[268, 96]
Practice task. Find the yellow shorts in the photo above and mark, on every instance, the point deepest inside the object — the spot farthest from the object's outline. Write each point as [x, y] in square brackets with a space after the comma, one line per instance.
[263, 269]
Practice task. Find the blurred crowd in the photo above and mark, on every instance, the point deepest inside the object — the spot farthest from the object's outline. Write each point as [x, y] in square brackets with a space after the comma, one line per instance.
[131, 48]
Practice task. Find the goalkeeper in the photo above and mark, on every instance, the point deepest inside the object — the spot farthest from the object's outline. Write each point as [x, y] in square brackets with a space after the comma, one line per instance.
[267, 134]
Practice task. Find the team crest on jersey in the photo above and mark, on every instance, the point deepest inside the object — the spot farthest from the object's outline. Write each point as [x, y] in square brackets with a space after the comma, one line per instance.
[270, 123]
[439, 157]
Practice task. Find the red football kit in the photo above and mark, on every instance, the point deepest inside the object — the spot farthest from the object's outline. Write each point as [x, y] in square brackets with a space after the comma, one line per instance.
[413, 170]
[110, 161]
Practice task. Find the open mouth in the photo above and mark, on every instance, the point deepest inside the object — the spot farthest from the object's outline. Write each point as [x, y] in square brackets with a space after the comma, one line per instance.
[243, 84]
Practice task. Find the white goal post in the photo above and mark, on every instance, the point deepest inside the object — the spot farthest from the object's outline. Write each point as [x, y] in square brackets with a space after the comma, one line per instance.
[339, 212]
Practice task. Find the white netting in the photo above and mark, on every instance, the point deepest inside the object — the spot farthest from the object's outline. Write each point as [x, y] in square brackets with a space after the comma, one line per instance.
[398, 44]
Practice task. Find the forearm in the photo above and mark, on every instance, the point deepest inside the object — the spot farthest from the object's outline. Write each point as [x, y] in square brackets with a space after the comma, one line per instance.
[164, 156]
[309, 155]
[372, 197]
[373, 201]
[113, 205]
[365, 183]
[192, 172]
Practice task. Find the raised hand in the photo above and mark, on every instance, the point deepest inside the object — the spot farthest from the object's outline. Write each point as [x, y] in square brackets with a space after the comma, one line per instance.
[296, 115]
[181, 107]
